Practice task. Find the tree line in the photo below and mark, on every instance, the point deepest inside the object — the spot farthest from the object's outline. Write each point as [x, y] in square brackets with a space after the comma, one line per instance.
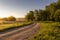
[11, 18]
[50, 13]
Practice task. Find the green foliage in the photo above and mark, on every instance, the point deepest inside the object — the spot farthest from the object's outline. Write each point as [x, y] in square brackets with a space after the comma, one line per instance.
[30, 16]
[58, 3]
[43, 15]
[52, 10]
[36, 15]
[11, 18]
[57, 15]
[48, 31]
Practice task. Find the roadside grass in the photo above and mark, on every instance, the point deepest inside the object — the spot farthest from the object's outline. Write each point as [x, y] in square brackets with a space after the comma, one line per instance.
[48, 31]
[5, 27]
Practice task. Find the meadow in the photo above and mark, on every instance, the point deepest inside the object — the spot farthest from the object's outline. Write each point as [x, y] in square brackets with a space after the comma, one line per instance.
[48, 31]
[7, 26]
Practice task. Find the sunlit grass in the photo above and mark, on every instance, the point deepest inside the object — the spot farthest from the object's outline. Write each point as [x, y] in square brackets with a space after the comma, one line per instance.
[48, 31]
[4, 27]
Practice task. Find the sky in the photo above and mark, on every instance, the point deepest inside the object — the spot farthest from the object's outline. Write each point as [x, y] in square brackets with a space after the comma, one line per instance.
[19, 8]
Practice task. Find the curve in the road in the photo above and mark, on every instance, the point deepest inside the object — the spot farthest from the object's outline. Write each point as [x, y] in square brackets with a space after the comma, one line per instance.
[21, 33]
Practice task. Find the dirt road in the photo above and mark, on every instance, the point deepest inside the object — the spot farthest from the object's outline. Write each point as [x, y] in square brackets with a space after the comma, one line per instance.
[21, 33]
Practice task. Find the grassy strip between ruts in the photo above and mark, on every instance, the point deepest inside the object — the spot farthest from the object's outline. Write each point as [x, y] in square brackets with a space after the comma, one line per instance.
[5, 27]
[48, 31]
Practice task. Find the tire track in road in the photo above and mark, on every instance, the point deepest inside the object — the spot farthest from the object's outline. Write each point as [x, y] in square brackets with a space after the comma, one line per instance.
[22, 34]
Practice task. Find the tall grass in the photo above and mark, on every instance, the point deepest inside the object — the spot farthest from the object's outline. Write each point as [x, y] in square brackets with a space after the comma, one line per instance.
[48, 31]
[5, 27]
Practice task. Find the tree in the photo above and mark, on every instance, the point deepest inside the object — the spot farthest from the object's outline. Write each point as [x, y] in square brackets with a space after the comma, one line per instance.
[30, 16]
[27, 17]
[41, 15]
[4, 19]
[44, 15]
[52, 10]
[51, 13]
[37, 15]
[48, 12]
[11, 18]
[57, 15]
[58, 3]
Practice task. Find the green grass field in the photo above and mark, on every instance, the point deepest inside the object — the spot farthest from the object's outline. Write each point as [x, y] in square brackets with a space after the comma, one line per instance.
[5, 27]
[48, 31]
